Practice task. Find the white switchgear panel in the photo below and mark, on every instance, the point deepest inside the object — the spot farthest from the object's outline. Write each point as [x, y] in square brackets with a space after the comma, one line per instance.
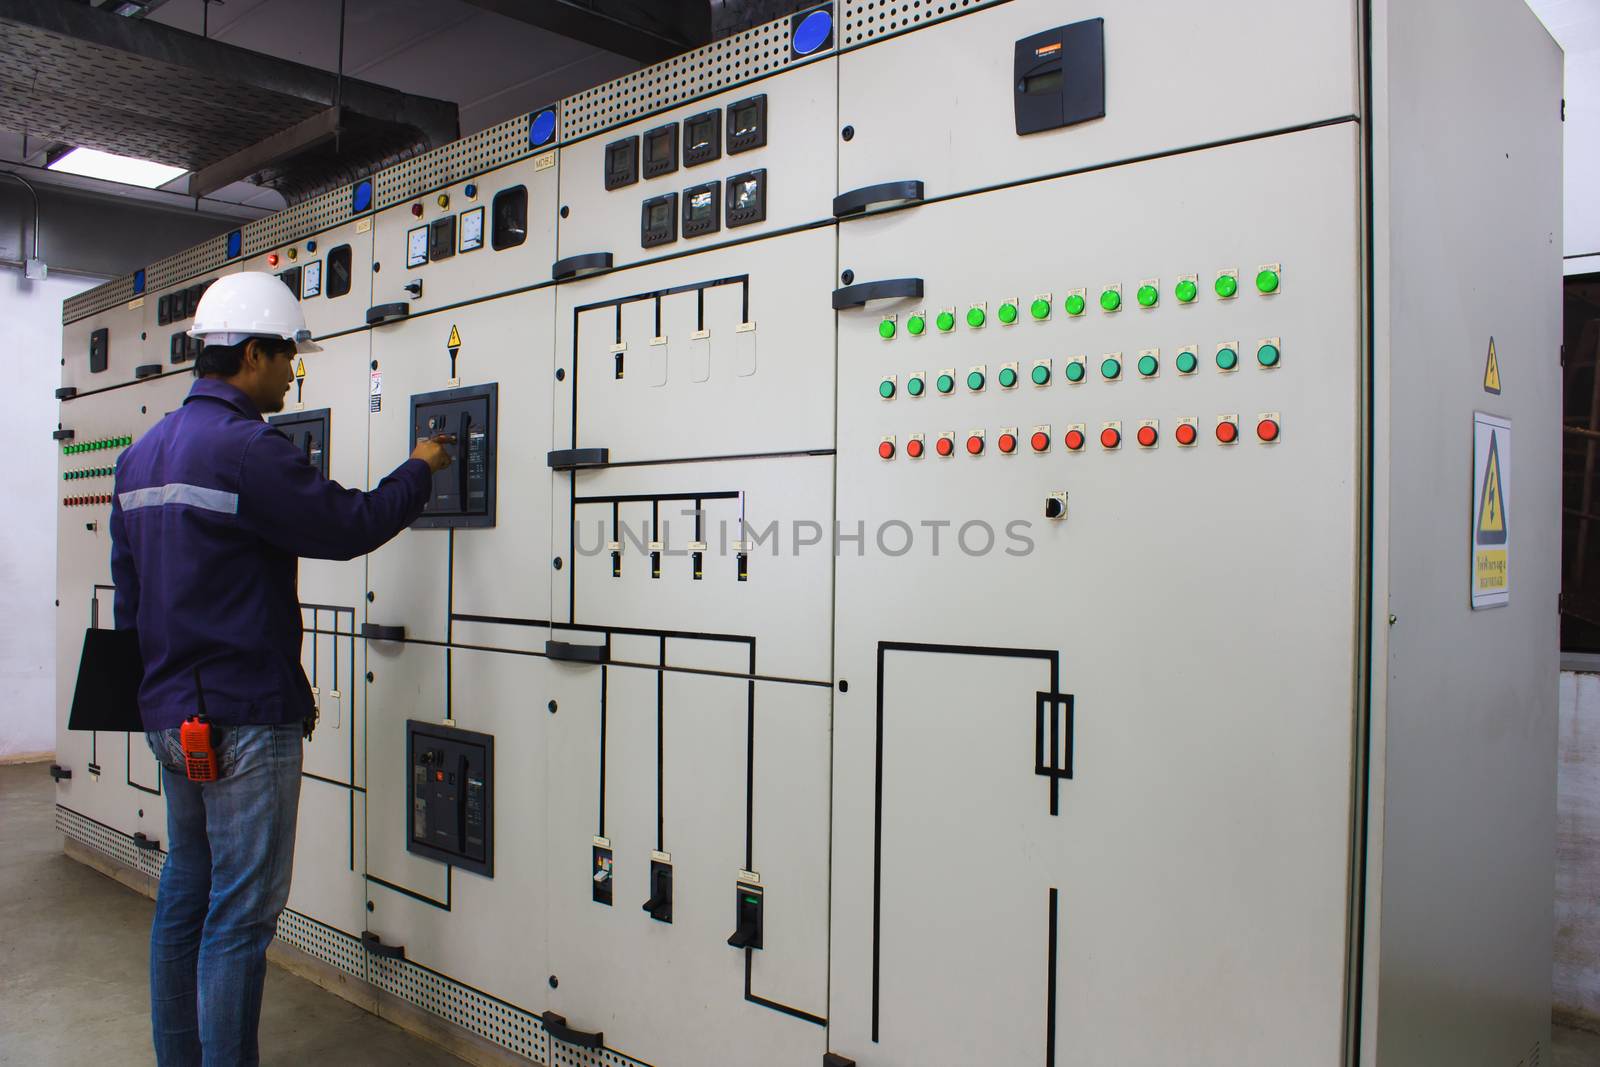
[955, 549]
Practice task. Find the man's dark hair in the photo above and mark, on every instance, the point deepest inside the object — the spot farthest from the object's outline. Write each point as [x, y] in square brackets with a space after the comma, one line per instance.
[224, 361]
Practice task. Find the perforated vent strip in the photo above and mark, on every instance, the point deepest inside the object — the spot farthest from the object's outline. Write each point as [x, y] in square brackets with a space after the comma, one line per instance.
[483, 151]
[201, 258]
[93, 301]
[304, 219]
[719, 65]
[333, 947]
[867, 20]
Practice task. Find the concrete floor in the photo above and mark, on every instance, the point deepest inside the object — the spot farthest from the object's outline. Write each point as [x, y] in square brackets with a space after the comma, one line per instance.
[74, 947]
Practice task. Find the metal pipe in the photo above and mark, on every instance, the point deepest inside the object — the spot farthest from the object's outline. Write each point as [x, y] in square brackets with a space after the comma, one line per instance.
[19, 179]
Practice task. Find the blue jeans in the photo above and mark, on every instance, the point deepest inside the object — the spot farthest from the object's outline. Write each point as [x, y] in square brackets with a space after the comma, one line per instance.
[230, 851]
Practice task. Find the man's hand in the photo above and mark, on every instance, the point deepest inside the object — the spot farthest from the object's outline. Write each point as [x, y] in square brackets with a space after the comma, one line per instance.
[432, 451]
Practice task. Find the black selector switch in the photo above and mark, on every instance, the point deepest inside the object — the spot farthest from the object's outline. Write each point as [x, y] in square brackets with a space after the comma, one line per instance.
[1060, 77]
[463, 493]
[747, 124]
[99, 350]
[658, 221]
[451, 810]
[747, 198]
[702, 208]
[601, 875]
[622, 162]
[747, 934]
[660, 903]
[702, 138]
[661, 150]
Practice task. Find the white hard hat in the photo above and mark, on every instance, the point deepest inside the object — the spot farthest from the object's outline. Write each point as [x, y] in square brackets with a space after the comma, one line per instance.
[250, 304]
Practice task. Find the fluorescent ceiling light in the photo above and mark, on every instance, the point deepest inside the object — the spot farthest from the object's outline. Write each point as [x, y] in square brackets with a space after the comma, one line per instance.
[92, 163]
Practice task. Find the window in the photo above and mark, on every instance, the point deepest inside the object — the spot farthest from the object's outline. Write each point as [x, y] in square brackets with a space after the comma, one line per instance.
[1580, 466]
[338, 271]
[510, 210]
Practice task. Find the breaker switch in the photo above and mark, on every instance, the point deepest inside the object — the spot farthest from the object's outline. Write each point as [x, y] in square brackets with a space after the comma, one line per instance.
[747, 932]
[601, 873]
[660, 903]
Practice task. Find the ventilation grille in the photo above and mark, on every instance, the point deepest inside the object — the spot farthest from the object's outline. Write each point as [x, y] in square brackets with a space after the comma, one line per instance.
[93, 301]
[568, 1056]
[203, 257]
[483, 151]
[333, 947]
[719, 65]
[304, 219]
[114, 843]
[868, 20]
[512, 1028]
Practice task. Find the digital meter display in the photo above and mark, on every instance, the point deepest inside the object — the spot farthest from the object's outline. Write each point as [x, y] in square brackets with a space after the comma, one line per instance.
[472, 230]
[747, 198]
[747, 124]
[658, 221]
[417, 247]
[745, 117]
[660, 215]
[746, 194]
[702, 206]
[1048, 82]
[661, 150]
[702, 138]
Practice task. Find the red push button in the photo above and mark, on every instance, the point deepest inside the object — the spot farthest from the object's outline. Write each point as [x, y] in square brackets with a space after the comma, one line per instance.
[1267, 429]
[1147, 436]
[272, 260]
[914, 448]
[1074, 440]
[1227, 432]
[1110, 437]
[944, 446]
[1008, 443]
[416, 210]
[1185, 433]
[886, 450]
[975, 445]
[1040, 441]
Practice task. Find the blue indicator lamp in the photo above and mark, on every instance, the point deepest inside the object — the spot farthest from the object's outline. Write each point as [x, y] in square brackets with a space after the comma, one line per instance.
[235, 244]
[361, 196]
[542, 128]
[811, 31]
[138, 281]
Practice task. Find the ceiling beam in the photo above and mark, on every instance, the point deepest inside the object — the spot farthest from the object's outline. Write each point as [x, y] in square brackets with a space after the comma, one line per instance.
[647, 31]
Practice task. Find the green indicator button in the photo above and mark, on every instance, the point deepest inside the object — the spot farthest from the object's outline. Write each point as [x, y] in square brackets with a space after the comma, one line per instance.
[1148, 295]
[1267, 281]
[975, 380]
[1148, 365]
[1008, 377]
[1227, 359]
[1075, 304]
[1041, 375]
[1008, 313]
[886, 389]
[915, 325]
[886, 329]
[945, 384]
[946, 322]
[1110, 300]
[1075, 371]
[976, 317]
[915, 385]
[1040, 309]
[1268, 355]
[1227, 285]
[1111, 369]
[1186, 291]
[1187, 362]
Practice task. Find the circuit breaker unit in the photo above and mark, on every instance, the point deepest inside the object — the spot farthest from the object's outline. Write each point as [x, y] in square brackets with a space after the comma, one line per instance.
[977, 535]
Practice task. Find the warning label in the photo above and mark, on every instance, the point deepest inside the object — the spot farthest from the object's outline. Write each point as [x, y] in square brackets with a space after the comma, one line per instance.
[1491, 521]
[455, 339]
[1491, 371]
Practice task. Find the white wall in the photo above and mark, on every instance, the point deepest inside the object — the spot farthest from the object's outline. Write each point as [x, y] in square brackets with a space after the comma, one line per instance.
[1577, 956]
[30, 341]
[1575, 24]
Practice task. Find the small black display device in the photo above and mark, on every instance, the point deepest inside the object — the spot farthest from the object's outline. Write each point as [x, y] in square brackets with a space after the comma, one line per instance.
[702, 137]
[747, 124]
[661, 150]
[622, 162]
[658, 221]
[747, 198]
[442, 238]
[463, 493]
[291, 278]
[450, 799]
[1060, 77]
[702, 209]
[309, 432]
[99, 350]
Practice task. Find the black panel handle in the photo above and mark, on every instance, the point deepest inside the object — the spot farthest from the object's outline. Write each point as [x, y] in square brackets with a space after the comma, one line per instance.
[833, 1059]
[64, 435]
[146, 370]
[374, 632]
[575, 653]
[556, 1026]
[66, 392]
[377, 316]
[575, 266]
[854, 296]
[374, 944]
[59, 772]
[149, 844]
[858, 200]
[566, 459]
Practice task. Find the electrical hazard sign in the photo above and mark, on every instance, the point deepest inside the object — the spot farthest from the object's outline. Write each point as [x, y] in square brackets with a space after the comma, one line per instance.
[1491, 371]
[1491, 511]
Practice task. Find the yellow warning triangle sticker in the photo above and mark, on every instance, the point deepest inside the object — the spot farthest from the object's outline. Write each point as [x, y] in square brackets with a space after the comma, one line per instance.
[1492, 506]
[455, 339]
[300, 368]
[1491, 372]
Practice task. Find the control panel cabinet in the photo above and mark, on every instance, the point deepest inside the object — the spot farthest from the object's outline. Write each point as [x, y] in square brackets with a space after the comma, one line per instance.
[452, 795]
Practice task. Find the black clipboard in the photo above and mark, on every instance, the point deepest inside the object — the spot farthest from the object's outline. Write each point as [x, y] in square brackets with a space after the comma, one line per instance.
[109, 672]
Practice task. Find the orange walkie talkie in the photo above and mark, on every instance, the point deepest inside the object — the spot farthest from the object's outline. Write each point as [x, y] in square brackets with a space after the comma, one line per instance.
[194, 737]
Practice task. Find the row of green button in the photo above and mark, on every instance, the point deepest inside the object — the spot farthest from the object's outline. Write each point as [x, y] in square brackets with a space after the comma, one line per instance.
[92, 472]
[97, 446]
[1148, 366]
[1226, 286]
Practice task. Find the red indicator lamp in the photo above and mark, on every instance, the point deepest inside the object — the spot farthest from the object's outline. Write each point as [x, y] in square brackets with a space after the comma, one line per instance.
[914, 448]
[1110, 437]
[974, 445]
[944, 446]
[1267, 430]
[1040, 441]
[886, 450]
[1074, 440]
[1227, 432]
[1148, 437]
[1185, 433]
[1008, 443]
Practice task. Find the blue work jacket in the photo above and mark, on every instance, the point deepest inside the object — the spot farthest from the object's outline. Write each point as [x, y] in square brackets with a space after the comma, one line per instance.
[212, 510]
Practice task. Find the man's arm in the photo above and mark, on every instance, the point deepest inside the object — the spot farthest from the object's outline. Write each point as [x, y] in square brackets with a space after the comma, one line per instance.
[288, 502]
[126, 611]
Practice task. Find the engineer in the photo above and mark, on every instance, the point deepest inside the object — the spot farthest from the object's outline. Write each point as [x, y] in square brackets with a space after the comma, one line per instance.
[212, 509]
